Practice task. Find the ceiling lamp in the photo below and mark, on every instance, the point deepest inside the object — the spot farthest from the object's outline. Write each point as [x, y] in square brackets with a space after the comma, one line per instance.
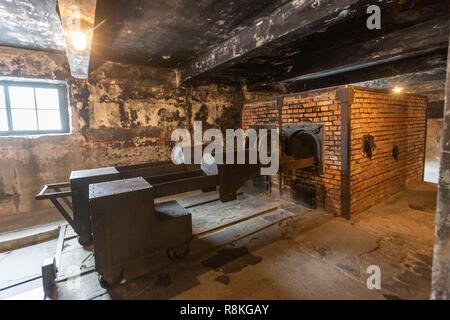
[397, 89]
[79, 40]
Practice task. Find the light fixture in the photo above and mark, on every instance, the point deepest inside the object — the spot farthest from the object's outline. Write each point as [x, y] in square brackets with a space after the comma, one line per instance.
[79, 40]
[397, 89]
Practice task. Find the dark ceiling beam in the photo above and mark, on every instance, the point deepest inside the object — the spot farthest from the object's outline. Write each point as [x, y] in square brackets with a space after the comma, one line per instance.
[430, 83]
[293, 21]
[78, 16]
[399, 45]
[272, 64]
[421, 63]
[362, 65]
[408, 79]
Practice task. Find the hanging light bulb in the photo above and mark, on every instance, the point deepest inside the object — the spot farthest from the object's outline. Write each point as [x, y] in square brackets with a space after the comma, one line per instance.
[397, 89]
[79, 40]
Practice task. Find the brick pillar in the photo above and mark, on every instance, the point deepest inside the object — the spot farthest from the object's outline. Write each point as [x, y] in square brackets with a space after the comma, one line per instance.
[440, 288]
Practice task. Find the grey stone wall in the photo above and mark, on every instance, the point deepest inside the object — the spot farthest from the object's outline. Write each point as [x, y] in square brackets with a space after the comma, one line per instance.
[441, 260]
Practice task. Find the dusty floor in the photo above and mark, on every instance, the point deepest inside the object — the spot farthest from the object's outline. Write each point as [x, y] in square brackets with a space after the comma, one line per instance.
[20, 271]
[307, 256]
[314, 256]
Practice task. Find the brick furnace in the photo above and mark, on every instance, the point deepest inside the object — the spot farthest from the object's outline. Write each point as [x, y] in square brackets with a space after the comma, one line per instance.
[367, 144]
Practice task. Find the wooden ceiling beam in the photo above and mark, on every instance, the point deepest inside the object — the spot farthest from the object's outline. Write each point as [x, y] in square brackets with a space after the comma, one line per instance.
[291, 22]
[422, 63]
[398, 45]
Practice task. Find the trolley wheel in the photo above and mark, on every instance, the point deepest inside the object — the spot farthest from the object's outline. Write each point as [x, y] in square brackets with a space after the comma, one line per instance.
[178, 253]
[85, 240]
[109, 281]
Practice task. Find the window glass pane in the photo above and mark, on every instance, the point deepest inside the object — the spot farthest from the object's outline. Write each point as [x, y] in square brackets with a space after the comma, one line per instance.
[24, 119]
[49, 120]
[21, 97]
[2, 98]
[47, 98]
[3, 120]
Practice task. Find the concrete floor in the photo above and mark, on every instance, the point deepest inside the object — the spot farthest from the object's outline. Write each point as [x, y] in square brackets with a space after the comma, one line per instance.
[310, 256]
[20, 271]
[313, 256]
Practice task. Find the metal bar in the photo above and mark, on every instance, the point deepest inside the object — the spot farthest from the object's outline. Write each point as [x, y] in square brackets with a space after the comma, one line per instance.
[32, 278]
[184, 185]
[143, 165]
[41, 193]
[173, 176]
[279, 106]
[8, 107]
[64, 213]
[60, 246]
[363, 65]
[425, 141]
[82, 272]
[53, 195]
[35, 109]
[345, 98]
[64, 199]
[207, 201]
[59, 185]
[234, 222]
[150, 171]
[289, 163]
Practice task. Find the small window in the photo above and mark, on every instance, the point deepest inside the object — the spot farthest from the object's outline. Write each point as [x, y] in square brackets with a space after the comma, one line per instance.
[33, 108]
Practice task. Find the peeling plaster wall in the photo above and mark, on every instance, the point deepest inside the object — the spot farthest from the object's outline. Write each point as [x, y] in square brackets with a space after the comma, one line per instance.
[124, 114]
[435, 129]
[440, 283]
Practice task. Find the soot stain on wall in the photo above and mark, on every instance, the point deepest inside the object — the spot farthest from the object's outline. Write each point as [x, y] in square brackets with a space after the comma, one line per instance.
[124, 114]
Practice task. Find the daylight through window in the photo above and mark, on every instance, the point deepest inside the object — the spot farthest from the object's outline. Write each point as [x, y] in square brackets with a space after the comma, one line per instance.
[32, 108]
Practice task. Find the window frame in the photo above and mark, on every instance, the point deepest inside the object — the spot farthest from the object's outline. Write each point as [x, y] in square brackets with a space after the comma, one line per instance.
[63, 106]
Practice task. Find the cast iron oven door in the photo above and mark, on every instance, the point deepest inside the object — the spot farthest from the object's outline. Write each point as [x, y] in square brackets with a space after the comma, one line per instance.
[303, 141]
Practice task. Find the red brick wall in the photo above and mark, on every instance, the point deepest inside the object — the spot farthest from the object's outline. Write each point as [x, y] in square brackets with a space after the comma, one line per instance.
[259, 112]
[392, 120]
[318, 107]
